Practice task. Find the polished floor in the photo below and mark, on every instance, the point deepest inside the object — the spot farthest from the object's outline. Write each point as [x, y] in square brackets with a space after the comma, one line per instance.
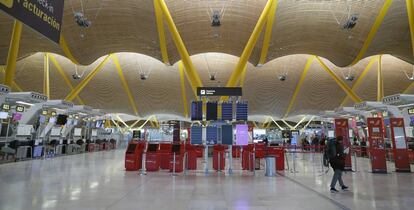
[98, 181]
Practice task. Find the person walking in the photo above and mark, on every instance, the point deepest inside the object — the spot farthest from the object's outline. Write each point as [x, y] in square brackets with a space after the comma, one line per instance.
[337, 162]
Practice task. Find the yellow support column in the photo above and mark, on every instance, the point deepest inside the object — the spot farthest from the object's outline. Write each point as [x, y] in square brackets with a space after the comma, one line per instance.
[85, 81]
[183, 93]
[268, 33]
[380, 81]
[46, 75]
[338, 81]
[410, 14]
[125, 84]
[360, 78]
[373, 31]
[14, 84]
[13, 53]
[182, 50]
[235, 75]
[299, 85]
[161, 33]
[64, 76]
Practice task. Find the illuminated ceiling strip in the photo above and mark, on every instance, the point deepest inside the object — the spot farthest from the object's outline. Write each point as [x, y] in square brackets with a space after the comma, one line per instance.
[161, 33]
[380, 80]
[255, 125]
[183, 92]
[268, 33]
[135, 123]
[410, 14]
[46, 75]
[373, 31]
[235, 75]
[125, 84]
[14, 84]
[123, 122]
[87, 79]
[116, 124]
[64, 76]
[338, 81]
[152, 124]
[182, 50]
[277, 124]
[291, 128]
[299, 85]
[266, 121]
[300, 121]
[361, 76]
[66, 50]
[13, 53]
[307, 124]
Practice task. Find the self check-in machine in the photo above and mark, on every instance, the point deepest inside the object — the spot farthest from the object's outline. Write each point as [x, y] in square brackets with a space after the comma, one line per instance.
[342, 129]
[21, 132]
[399, 142]
[377, 145]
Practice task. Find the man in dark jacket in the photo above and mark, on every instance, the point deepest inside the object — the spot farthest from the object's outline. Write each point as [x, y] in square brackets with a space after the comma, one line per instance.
[337, 162]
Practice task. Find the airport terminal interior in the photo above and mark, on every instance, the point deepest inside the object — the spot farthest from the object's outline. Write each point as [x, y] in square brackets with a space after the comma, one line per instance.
[206, 104]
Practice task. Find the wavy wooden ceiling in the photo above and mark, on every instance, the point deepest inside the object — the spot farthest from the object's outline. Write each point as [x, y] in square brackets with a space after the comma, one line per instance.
[300, 28]
[161, 95]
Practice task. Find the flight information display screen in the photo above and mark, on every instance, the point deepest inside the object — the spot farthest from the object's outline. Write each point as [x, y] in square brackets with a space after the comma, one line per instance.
[227, 134]
[197, 110]
[211, 135]
[227, 111]
[241, 111]
[196, 136]
[211, 111]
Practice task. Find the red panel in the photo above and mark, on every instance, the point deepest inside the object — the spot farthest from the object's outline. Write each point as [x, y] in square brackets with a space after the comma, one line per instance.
[152, 162]
[377, 145]
[218, 150]
[401, 158]
[279, 153]
[260, 150]
[133, 162]
[178, 163]
[342, 129]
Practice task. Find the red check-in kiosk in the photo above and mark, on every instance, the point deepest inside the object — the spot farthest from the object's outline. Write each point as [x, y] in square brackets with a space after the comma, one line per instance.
[218, 152]
[177, 151]
[133, 155]
[235, 151]
[279, 154]
[152, 160]
[342, 129]
[377, 145]
[165, 153]
[192, 156]
[248, 157]
[399, 144]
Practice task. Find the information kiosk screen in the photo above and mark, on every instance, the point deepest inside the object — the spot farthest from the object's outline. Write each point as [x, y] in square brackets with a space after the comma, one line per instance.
[152, 147]
[241, 111]
[131, 148]
[61, 119]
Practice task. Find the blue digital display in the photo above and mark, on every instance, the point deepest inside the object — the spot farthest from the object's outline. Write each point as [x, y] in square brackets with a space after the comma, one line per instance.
[197, 110]
[227, 111]
[211, 135]
[227, 134]
[196, 135]
[241, 111]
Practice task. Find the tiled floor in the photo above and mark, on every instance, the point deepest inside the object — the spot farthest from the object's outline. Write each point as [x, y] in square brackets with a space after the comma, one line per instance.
[98, 181]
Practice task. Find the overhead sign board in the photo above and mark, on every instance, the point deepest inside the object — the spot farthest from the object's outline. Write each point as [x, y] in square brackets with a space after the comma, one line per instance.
[219, 91]
[43, 16]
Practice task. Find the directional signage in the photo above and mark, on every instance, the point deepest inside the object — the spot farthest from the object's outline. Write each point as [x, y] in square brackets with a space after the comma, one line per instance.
[43, 16]
[219, 91]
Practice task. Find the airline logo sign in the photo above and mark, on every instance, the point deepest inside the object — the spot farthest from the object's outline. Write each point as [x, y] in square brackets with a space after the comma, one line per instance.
[43, 16]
